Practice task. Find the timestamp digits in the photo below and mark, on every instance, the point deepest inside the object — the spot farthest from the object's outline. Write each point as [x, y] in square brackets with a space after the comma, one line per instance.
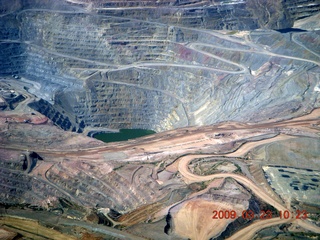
[264, 214]
[299, 214]
[224, 214]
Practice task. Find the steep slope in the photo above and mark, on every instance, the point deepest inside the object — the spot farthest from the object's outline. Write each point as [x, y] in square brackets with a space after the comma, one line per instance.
[118, 70]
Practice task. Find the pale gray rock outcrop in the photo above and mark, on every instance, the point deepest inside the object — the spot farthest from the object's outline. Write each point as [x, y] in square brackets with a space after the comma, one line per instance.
[116, 68]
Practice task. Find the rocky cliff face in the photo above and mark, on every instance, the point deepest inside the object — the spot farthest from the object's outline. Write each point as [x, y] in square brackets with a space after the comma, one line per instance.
[155, 65]
[213, 14]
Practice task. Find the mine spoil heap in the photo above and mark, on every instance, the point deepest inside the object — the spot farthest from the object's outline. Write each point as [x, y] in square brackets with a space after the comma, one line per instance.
[230, 86]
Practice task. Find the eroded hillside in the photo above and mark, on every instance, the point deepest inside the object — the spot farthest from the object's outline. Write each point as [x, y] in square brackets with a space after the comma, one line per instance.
[235, 104]
[118, 70]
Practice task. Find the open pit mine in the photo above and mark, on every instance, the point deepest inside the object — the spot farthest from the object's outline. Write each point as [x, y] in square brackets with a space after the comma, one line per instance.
[230, 88]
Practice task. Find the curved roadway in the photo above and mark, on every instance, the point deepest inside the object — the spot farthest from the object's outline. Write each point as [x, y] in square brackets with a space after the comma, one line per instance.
[190, 178]
[249, 231]
[252, 229]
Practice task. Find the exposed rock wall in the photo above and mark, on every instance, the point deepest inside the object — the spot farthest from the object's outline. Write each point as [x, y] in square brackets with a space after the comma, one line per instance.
[100, 188]
[270, 14]
[58, 118]
[237, 15]
[12, 59]
[17, 187]
[159, 68]
[299, 9]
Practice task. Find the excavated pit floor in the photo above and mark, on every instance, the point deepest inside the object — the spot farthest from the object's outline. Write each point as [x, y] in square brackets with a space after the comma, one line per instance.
[108, 68]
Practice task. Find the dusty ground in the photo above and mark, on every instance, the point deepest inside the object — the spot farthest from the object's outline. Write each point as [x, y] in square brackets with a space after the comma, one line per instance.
[162, 159]
[194, 219]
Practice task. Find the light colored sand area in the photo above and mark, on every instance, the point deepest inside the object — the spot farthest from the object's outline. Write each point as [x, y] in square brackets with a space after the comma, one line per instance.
[194, 220]
[251, 230]
[250, 145]
[190, 178]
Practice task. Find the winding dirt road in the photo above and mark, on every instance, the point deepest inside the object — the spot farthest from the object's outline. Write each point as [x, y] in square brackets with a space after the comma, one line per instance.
[190, 178]
[251, 230]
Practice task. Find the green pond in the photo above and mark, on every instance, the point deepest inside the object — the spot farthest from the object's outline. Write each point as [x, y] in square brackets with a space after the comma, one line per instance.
[123, 135]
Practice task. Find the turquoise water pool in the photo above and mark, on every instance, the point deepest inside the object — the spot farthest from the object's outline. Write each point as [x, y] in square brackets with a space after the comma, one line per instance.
[123, 135]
